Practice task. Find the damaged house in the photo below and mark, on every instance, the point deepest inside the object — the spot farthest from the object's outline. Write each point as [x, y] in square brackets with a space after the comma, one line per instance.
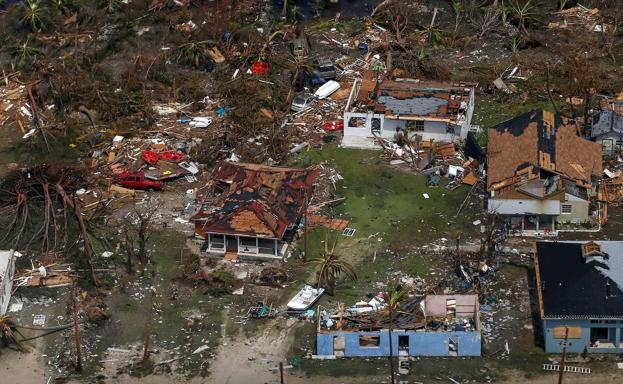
[439, 325]
[540, 172]
[257, 210]
[607, 130]
[580, 295]
[440, 111]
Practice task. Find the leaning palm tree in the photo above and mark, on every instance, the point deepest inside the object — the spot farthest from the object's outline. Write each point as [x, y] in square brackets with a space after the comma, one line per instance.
[331, 267]
[394, 295]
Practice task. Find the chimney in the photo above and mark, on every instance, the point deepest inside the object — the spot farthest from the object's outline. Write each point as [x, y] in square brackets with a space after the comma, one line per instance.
[591, 251]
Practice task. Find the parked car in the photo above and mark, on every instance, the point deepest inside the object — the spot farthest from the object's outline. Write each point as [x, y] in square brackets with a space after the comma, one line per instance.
[327, 89]
[325, 68]
[302, 101]
[137, 180]
[334, 125]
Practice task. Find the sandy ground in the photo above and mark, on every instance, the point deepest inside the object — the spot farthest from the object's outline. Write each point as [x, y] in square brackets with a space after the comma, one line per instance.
[250, 361]
[233, 366]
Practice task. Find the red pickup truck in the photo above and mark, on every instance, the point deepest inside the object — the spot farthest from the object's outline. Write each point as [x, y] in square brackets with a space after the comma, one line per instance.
[137, 180]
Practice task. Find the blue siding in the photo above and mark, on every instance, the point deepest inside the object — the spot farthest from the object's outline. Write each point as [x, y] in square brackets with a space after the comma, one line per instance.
[420, 343]
[553, 345]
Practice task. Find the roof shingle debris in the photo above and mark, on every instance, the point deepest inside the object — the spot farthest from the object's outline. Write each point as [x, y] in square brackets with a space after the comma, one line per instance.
[260, 201]
[540, 140]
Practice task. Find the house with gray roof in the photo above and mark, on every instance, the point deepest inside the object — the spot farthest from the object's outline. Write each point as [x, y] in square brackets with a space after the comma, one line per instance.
[607, 129]
[432, 110]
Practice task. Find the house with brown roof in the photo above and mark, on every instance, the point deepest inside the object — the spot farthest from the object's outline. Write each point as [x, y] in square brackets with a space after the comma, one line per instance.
[440, 111]
[257, 210]
[541, 172]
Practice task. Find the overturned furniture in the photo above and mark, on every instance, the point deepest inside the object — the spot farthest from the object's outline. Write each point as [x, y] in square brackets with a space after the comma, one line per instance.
[439, 325]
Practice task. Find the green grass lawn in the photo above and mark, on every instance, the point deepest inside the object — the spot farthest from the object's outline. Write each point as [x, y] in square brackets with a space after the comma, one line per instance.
[390, 203]
[391, 216]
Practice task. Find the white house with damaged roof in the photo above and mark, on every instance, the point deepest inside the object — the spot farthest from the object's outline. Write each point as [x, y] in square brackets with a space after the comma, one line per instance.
[439, 111]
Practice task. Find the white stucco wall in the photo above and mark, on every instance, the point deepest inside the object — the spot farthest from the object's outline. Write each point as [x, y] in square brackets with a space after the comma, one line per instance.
[524, 206]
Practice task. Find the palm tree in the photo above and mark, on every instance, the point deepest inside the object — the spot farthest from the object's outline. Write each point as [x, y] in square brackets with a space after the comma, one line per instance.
[112, 6]
[331, 267]
[24, 53]
[194, 52]
[33, 14]
[523, 14]
[394, 295]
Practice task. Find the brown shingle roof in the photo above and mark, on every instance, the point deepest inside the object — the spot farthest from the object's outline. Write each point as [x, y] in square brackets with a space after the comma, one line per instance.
[540, 139]
[262, 201]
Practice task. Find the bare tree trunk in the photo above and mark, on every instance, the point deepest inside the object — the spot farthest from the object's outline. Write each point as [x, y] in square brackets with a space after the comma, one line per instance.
[129, 250]
[381, 5]
[88, 250]
[74, 309]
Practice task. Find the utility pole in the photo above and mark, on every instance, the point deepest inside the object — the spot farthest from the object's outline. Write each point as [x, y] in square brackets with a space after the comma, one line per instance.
[149, 326]
[74, 310]
[305, 226]
[564, 355]
[281, 372]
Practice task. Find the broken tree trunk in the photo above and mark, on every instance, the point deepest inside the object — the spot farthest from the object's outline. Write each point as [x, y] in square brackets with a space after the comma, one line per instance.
[88, 250]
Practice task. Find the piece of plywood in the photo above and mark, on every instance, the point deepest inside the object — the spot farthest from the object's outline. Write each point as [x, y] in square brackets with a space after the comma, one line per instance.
[470, 178]
[574, 332]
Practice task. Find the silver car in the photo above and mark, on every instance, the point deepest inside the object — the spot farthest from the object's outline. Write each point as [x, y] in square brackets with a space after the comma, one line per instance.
[302, 101]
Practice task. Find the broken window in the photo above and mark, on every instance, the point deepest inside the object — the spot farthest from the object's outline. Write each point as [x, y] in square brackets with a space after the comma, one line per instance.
[339, 343]
[266, 246]
[356, 122]
[600, 334]
[247, 245]
[451, 307]
[369, 341]
[403, 342]
[376, 125]
[453, 346]
[217, 241]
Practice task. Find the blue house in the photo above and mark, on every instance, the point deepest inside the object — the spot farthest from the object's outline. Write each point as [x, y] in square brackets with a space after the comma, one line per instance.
[439, 325]
[580, 294]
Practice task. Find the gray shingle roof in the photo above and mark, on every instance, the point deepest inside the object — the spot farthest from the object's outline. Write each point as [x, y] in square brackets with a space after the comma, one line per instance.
[606, 122]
